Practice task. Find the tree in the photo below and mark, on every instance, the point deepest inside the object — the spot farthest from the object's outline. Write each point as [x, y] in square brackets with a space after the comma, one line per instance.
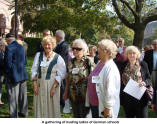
[83, 18]
[136, 14]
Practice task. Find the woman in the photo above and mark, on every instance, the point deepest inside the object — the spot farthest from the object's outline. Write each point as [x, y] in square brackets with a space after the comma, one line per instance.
[139, 72]
[104, 83]
[79, 69]
[93, 53]
[48, 71]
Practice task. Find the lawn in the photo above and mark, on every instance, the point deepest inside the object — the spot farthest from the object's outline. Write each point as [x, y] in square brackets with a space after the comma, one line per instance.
[4, 109]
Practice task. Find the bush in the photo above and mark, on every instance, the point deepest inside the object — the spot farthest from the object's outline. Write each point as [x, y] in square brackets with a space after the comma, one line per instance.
[32, 45]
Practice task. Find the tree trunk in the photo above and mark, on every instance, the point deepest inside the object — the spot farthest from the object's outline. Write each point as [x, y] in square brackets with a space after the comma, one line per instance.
[139, 36]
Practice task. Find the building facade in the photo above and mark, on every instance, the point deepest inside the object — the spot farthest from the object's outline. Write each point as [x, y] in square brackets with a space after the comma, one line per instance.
[6, 17]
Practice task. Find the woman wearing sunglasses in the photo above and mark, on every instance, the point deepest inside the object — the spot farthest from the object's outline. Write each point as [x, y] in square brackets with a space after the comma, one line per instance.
[79, 69]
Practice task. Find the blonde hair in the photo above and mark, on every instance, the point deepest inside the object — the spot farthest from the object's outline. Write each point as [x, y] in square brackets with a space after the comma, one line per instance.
[49, 39]
[133, 49]
[110, 46]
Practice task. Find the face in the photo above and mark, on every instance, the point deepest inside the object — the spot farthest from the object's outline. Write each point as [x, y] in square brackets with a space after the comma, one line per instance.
[92, 52]
[77, 50]
[120, 43]
[48, 47]
[155, 46]
[58, 39]
[132, 56]
[2, 47]
[102, 53]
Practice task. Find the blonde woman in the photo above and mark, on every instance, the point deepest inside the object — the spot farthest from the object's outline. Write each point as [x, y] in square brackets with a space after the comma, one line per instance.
[48, 71]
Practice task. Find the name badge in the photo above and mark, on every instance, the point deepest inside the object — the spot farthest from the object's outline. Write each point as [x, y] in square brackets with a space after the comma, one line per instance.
[75, 70]
[43, 64]
[95, 79]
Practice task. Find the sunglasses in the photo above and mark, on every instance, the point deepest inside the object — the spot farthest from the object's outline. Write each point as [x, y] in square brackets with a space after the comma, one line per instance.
[77, 49]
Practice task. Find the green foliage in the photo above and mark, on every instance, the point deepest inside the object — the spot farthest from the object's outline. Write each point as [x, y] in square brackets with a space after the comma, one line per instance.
[32, 45]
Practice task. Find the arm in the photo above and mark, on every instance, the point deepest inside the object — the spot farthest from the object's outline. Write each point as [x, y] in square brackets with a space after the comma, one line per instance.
[61, 71]
[112, 89]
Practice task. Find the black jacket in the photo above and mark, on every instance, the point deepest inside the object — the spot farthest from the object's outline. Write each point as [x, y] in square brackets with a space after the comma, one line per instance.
[62, 50]
[148, 58]
[145, 77]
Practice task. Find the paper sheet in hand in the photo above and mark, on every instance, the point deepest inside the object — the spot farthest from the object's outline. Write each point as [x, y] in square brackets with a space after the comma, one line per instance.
[132, 88]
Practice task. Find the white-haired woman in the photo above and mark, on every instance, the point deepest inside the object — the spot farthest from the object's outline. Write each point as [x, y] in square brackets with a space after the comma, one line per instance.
[104, 82]
[139, 72]
[48, 71]
[79, 69]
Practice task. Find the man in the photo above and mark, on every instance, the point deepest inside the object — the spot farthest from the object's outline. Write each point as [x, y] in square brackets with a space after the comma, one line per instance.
[46, 32]
[150, 58]
[121, 51]
[16, 73]
[62, 49]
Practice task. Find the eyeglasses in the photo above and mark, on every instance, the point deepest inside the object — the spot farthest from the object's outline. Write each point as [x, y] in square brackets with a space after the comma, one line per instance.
[77, 49]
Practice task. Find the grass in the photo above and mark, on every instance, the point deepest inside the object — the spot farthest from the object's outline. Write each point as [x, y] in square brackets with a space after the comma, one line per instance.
[4, 109]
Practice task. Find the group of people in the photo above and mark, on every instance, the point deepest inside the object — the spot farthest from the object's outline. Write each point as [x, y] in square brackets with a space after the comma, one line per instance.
[92, 80]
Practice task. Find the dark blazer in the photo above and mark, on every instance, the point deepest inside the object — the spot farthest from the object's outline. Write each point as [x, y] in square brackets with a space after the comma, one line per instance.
[15, 63]
[148, 58]
[145, 77]
[62, 49]
[1, 63]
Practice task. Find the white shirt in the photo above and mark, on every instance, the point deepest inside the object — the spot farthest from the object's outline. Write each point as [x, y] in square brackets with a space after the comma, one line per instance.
[61, 67]
[108, 88]
[120, 49]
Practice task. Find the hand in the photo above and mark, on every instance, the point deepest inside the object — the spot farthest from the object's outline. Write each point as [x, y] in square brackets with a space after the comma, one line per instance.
[107, 112]
[35, 88]
[52, 91]
[142, 84]
[153, 107]
[65, 95]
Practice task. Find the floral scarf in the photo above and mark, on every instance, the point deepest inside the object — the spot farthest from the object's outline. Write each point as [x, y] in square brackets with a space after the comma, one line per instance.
[133, 73]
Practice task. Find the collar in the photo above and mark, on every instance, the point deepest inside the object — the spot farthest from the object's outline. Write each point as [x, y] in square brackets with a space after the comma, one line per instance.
[60, 42]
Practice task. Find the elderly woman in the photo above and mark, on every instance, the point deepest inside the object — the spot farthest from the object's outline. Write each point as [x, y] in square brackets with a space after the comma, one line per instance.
[104, 82]
[3, 44]
[139, 72]
[48, 71]
[79, 69]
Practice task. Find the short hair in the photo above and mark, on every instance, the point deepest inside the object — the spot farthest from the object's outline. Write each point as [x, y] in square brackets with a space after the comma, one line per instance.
[60, 33]
[50, 39]
[46, 32]
[82, 43]
[134, 49]
[93, 47]
[110, 46]
[154, 41]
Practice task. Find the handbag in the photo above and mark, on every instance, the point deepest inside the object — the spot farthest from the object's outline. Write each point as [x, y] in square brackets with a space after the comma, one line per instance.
[149, 93]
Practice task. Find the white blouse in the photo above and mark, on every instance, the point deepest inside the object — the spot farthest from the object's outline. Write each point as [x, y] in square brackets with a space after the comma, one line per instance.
[61, 67]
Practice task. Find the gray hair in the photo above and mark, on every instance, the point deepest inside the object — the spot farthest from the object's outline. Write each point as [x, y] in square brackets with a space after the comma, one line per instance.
[110, 46]
[83, 44]
[154, 41]
[60, 33]
[133, 49]
[3, 43]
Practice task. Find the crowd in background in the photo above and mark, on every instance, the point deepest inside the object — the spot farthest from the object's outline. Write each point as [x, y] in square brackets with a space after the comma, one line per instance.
[89, 78]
